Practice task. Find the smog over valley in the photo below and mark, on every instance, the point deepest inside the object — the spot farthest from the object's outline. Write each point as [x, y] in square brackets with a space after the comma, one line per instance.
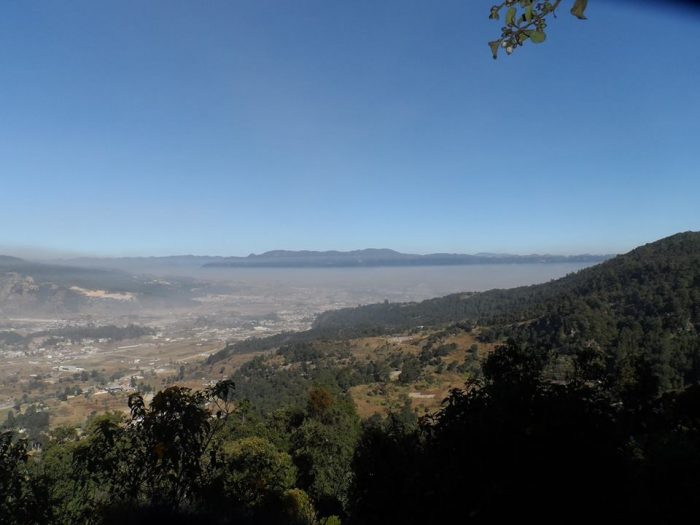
[103, 324]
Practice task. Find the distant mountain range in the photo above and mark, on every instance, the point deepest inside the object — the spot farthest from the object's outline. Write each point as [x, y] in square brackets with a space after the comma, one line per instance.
[141, 264]
[128, 284]
[317, 259]
[385, 257]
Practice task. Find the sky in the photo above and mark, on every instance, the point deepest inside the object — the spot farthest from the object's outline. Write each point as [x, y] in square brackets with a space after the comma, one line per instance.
[238, 126]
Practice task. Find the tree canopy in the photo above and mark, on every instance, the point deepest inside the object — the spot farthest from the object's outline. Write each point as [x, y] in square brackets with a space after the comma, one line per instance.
[526, 20]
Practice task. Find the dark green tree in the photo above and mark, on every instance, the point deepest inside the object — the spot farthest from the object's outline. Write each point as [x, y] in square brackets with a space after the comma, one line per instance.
[22, 498]
[163, 457]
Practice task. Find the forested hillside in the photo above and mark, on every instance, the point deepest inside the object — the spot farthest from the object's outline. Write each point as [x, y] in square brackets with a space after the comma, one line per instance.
[514, 445]
[574, 401]
[638, 313]
[652, 273]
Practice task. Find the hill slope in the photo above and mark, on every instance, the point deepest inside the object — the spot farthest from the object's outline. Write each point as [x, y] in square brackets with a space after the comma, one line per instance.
[639, 311]
[671, 263]
[32, 289]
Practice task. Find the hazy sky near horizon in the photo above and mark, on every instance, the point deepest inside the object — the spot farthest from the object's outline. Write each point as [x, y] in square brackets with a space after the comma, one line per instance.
[230, 127]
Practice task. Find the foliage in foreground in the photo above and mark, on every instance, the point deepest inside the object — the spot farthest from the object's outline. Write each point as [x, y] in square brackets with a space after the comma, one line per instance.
[514, 446]
[526, 20]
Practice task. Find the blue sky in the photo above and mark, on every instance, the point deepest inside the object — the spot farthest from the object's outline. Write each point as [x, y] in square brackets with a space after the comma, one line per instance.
[230, 127]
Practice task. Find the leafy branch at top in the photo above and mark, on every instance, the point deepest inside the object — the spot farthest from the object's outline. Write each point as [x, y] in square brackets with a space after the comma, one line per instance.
[526, 20]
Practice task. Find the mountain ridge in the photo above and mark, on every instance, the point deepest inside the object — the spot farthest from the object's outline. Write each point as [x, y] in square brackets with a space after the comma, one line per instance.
[37, 288]
[637, 311]
[377, 257]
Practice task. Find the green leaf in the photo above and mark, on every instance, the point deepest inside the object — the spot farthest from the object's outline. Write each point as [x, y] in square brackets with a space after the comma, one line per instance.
[537, 37]
[510, 16]
[494, 48]
[578, 9]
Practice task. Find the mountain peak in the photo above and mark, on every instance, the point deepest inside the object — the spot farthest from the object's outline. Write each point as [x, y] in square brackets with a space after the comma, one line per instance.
[678, 244]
